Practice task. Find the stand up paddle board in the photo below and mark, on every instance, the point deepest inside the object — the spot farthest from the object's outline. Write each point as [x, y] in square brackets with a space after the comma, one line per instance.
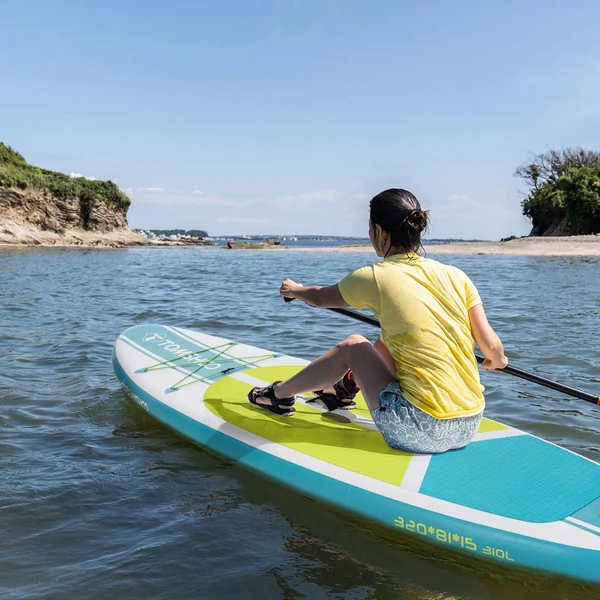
[508, 497]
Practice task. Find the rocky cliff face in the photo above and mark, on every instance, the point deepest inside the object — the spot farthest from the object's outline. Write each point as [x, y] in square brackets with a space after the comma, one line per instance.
[32, 216]
[38, 206]
[35, 207]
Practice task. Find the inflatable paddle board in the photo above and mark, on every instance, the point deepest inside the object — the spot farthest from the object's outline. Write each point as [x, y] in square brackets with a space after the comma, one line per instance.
[508, 497]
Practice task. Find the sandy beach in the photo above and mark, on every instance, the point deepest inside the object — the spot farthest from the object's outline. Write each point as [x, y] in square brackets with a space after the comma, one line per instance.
[580, 245]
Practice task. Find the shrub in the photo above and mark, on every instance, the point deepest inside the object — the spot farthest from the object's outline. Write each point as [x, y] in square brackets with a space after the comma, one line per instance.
[15, 172]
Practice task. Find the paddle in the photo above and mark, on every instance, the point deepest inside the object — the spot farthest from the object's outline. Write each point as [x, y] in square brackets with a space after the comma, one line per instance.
[553, 385]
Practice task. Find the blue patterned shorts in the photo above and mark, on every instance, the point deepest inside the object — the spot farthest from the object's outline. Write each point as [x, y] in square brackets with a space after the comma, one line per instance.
[406, 427]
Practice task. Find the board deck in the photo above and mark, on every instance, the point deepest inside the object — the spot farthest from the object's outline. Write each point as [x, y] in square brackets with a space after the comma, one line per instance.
[508, 496]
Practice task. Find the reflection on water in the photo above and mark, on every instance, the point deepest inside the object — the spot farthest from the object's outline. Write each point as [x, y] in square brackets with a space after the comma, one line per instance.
[98, 500]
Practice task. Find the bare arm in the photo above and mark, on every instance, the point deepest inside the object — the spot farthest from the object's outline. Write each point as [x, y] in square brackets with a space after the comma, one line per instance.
[487, 340]
[315, 295]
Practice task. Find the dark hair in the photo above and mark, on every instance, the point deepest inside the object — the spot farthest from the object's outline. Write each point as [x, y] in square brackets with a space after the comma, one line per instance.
[399, 213]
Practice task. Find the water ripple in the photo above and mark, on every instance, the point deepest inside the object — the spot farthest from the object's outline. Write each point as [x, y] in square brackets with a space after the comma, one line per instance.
[99, 500]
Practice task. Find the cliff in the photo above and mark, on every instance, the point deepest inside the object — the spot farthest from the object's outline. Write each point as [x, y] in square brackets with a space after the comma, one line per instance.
[38, 206]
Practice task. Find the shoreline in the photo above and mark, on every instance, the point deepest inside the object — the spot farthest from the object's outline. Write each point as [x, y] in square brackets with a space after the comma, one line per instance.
[577, 245]
[18, 235]
[582, 245]
[21, 235]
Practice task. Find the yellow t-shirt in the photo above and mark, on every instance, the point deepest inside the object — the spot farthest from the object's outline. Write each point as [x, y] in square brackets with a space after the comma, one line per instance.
[422, 306]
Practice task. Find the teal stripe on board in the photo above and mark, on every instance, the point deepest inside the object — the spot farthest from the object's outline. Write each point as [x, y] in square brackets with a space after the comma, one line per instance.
[590, 514]
[520, 477]
[157, 339]
[190, 357]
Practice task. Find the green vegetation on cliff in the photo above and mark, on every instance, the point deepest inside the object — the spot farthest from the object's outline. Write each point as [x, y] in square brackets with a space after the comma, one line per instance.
[564, 192]
[16, 172]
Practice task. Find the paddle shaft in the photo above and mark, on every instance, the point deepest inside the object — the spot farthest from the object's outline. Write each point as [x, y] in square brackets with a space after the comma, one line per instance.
[553, 385]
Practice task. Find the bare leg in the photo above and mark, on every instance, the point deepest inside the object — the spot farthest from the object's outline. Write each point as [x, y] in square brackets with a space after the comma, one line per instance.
[370, 369]
[383, 351]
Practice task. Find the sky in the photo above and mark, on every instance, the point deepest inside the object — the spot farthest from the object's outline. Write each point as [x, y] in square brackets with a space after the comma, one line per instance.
[287, 116]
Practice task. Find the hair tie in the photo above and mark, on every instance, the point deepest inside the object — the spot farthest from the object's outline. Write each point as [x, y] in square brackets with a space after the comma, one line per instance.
[416, 211]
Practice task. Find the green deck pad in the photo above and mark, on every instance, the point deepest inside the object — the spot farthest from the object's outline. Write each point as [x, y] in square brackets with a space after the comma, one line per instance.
[310, 431]
[519, 477]
[488, 425]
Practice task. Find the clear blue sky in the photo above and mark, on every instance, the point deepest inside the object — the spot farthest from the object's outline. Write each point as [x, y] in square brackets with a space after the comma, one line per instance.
[286, 116]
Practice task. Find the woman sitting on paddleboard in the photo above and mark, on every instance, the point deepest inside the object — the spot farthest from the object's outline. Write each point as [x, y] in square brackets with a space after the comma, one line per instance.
[420, 379]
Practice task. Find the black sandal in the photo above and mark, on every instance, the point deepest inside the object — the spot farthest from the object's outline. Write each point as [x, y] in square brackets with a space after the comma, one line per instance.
[345, 389]
[282, 407]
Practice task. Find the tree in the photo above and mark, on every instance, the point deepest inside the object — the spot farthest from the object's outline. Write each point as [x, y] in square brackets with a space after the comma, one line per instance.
[564, 192]
[581, 195]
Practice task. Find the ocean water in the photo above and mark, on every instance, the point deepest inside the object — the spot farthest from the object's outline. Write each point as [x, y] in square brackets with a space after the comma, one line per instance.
[98, 501]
